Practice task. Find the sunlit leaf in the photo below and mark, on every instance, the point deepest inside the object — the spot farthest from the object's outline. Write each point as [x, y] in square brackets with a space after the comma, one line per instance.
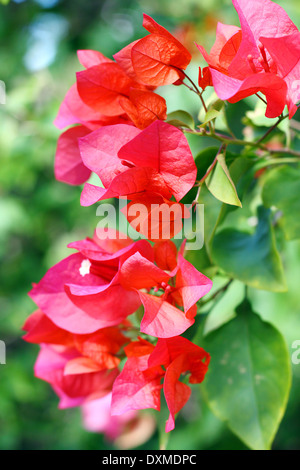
[282, 189]
[249, 378]
[251, 258]
[220, 184]
[181, 119]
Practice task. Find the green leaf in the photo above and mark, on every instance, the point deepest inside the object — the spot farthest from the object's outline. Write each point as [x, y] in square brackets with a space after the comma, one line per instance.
[282, 189]
[213, 112]
[220, 184]
[181, 119]
[249, 377]
[212, 209]
[4, 2]
[251, 258]
[204, 159]
[235, 114]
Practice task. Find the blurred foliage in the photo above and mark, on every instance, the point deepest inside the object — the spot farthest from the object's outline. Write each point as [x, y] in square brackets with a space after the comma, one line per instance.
[39, 216]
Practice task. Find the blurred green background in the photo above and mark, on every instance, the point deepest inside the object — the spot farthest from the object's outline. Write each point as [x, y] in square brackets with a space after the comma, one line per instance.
[39, 216]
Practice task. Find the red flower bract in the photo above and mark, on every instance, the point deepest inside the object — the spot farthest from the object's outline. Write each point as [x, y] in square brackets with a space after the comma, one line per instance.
[103, 95]
[180, 288]
[158, 59]
[79, 367]
[139, 384]
[79, 293]
[147, 167]
[263, 56]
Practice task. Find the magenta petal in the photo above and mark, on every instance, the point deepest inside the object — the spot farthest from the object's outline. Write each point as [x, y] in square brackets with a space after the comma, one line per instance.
[91, 194]
[176, 393]
[121, 249]
[123, 58]
[49, 294]
[129, 183]
[97, 418]
[285, 51]
[101, 302]
[161, 319]
[68, 166]
[258, 18]
[73, 389]
[272, 86]
[138, 272]
[164, 148]
[191, 284]
[89, 58]
[134, 388]
[74, 111]
[99, 150]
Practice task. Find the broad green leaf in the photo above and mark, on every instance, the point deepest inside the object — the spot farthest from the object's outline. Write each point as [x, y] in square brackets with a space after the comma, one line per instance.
[249, 377]
[4, 2]
[251, 258]
[213, 112]
[220, 184]
[235, 114]
[204, 159]
[212, 209]
[239, 170]
[282, 189]
[181, 119]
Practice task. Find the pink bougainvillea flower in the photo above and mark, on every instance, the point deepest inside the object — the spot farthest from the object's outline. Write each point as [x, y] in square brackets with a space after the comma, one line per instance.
[79, 293]
[180, 288]
[144, 107]
[139, 384]
[107, 96]
[102, 86]
[205, 78]
[263, 56]
[228, 40]
[68, 166]
[75, 388]
[107, 89]
[165, 149]
[127, 431]
[158, 59]
[285, 52]
[97, 418]
[79, 367]
[155, 217]
[74, 110]
[157, 160]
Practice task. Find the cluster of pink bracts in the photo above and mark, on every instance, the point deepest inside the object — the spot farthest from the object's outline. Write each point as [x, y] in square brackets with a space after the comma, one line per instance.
[119, 134]
[82, 325]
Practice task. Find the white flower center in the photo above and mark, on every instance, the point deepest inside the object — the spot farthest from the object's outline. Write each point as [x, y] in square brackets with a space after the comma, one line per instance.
[85, 267]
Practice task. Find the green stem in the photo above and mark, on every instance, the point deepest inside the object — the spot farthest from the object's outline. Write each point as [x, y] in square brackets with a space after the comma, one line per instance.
[198, 92]
[219, 291]
[223, 147]
[230, 141]
[280, 119]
